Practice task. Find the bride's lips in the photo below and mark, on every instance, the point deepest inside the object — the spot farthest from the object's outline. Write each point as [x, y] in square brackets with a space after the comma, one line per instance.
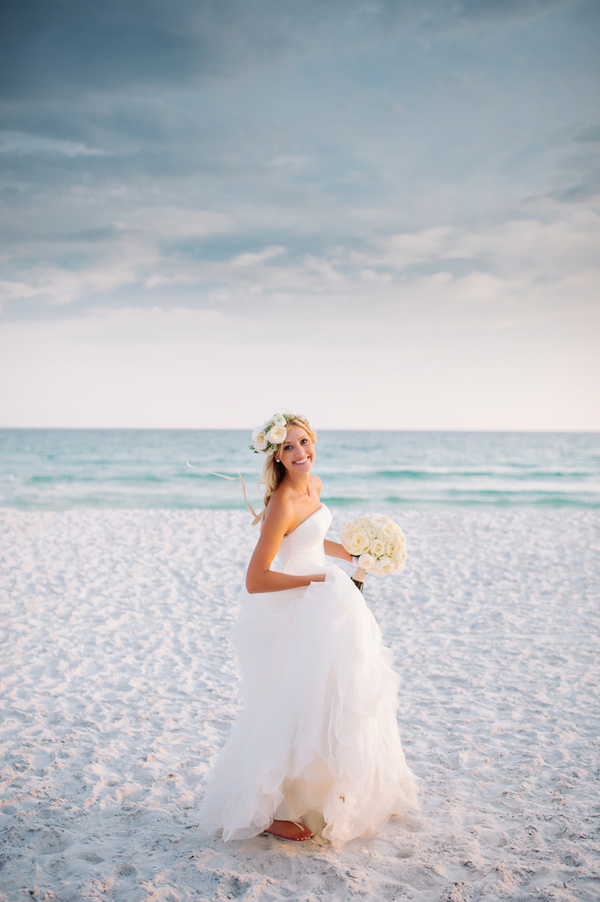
[298, 463]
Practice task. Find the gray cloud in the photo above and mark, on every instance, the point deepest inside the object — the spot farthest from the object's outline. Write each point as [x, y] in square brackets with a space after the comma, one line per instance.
[77, 46]
[80, 45]
[148, 146]
[591, 134]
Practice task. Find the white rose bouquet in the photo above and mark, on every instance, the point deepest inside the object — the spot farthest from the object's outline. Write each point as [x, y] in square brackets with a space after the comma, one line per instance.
[377, 546]
[265, 438]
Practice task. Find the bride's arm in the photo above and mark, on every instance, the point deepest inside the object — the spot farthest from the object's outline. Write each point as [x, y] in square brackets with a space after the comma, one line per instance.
[334, 549]
[260, 577]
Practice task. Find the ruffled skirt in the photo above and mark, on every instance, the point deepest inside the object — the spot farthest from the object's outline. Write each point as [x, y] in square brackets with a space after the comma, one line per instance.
[318, 730]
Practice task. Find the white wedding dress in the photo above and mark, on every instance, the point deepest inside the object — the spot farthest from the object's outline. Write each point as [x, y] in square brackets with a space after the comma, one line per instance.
[318, 730]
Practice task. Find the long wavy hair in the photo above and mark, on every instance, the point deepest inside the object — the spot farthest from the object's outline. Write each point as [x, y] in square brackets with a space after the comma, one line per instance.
[273, 470]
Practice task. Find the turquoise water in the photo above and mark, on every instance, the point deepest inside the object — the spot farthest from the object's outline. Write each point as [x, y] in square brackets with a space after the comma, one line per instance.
[57, 469]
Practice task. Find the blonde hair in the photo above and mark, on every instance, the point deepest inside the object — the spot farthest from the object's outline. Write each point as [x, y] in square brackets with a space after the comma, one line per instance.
[274, 470]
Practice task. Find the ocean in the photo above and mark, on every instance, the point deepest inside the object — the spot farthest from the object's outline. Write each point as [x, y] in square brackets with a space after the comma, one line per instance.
[60, 469]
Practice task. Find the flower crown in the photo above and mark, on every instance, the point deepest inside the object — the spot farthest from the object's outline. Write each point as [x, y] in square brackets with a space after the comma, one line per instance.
[265, 438]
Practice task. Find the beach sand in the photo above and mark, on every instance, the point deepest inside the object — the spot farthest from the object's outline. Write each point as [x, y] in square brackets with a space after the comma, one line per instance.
[118, 686]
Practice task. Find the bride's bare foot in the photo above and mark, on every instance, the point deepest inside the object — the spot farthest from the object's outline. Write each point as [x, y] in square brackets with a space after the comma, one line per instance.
[289, 830]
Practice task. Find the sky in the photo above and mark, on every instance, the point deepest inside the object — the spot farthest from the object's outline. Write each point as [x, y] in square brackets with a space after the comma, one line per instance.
[382, 214]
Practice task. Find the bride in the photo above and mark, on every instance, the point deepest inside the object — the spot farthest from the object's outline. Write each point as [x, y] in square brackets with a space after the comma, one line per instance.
[317, 741]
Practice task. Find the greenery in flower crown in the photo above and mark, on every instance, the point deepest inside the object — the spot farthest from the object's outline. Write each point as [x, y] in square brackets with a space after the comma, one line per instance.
[265, 438]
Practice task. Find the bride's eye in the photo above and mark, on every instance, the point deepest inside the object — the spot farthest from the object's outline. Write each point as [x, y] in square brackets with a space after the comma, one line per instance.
[287, 447]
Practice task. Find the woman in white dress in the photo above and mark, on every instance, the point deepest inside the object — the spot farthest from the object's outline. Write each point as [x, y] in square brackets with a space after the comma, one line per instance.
[317, 739]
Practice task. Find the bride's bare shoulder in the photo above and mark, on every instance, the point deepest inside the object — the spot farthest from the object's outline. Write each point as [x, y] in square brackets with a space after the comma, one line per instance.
[280, 508]
[316, 482]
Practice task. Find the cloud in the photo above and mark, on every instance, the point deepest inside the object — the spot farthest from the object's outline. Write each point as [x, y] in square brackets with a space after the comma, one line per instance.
[517, 248]
[445, 266]
[591, 134]
[385, 173]
[16, 290]
[23, 143]
[500, 11]
[77, 46]
[254, 259]
[80, 45]
[59, 286]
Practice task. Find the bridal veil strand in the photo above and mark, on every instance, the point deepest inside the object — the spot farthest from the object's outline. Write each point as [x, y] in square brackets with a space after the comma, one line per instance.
[317, 741]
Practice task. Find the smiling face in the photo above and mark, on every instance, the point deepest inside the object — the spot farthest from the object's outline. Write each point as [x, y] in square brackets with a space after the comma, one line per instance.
[297, 453]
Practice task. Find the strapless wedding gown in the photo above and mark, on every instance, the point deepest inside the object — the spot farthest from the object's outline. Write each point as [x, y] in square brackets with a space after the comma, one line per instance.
[318, 729]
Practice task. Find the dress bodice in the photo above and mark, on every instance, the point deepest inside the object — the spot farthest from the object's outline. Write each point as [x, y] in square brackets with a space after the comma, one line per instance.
[301, 551]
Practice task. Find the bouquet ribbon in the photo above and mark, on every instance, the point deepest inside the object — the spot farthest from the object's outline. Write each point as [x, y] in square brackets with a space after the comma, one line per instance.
[358, 578]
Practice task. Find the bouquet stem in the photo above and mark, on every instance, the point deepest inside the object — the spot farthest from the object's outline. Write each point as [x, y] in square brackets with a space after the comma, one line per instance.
[358, 578]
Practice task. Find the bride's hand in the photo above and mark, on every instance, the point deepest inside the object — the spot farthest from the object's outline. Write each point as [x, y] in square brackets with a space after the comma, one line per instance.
[317, 578]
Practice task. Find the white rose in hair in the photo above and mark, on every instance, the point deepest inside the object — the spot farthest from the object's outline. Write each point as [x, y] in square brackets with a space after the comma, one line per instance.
[279, 420]
[277, 435]
[259, 439]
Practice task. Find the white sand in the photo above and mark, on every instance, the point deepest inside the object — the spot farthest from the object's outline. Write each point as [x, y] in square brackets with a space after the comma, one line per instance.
[118, 684]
